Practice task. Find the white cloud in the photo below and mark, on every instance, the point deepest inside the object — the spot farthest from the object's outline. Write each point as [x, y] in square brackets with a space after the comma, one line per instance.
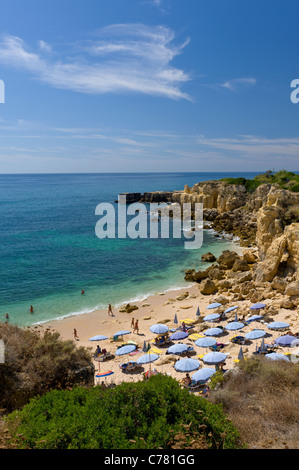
[120, 58]
[238, 83]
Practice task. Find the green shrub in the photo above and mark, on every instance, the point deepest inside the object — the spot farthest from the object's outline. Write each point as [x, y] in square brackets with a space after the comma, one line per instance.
[130, 416]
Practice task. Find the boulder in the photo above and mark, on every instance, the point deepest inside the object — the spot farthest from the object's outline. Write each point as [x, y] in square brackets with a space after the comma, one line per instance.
[227, 259]
[208, 257]
[208, 287]
[240, 265]
[292, 288]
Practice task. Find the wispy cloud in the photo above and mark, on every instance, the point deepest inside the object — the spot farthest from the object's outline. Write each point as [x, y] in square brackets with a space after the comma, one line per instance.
[239, 83]
[119, 58]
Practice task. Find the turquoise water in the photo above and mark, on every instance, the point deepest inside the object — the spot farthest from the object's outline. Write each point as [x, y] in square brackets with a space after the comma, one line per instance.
[49, 250]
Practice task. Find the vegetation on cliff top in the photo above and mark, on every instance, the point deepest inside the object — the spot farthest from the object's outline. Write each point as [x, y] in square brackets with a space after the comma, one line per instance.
[284, 179]
[144, 415]
[37, 361]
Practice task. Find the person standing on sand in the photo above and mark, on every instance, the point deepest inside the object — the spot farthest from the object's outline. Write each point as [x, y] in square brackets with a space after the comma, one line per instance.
[136, 327]
[75, 335]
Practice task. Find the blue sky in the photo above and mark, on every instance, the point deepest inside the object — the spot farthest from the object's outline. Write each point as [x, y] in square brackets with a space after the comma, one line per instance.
[148, 85]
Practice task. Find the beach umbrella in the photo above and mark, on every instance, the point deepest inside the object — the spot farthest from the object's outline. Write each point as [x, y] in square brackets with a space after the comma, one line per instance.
[98, 338]
[146, 347]
[203, 374]
[212, 317]
[127, 349]
[257, 306]
[198, 312]
[159, 328]
[234, 325]
[276, 357]
[214, 358]
[255, 318]
[205, 342]
[214, 305]
[277, 325]
[147, 358]
[231, 309]
[175, 321]
[178, 348]
[241, 355]
[263, 347]
[287, 340]
[186, 365]
[179, 335]
[213, 332]
[122, 333]
[255, 334]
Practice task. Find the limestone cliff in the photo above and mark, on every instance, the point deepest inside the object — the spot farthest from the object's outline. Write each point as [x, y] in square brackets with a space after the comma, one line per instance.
[266, 218]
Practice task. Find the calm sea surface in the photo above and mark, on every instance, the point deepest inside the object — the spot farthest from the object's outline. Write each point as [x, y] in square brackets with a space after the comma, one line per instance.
[49, 250]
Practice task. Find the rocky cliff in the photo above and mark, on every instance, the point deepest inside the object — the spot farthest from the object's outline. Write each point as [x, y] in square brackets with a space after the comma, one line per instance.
[267, 222]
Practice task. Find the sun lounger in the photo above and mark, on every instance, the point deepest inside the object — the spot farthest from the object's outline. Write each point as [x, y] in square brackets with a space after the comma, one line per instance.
[105, 356]
[129, 366]
[193, 385]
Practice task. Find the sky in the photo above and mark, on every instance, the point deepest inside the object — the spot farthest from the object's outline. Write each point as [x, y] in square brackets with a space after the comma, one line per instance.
[148, 86]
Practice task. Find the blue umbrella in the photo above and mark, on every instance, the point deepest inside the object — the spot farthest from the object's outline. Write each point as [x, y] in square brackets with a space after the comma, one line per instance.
[203, 374]
[146, 347]
[255, 334]
[214, 305]
[257, 306]
[241, 355]
[214, 358]
[175, 319]
[287, 340]
[277, 357]
[127, 349]
[212, 317]
[177, 348]
[98, 338]
[255, 318]
[213, 332]
[276, 325]
[159, 328]
[205, 342]
[234, 325]
[179, 335]
[230, 309]
[198, 312]
[122, 332]
[186, 365]
[147, 358]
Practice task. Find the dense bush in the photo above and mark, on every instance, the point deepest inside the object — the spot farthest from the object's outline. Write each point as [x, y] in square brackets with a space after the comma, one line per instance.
[285, 180]
[147, 414]
[37, 361]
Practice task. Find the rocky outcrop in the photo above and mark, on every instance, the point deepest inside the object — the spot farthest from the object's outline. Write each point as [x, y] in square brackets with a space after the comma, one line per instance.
[266, 219]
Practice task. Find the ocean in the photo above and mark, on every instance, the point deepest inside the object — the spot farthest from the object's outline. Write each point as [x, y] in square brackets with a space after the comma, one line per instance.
[49, 251]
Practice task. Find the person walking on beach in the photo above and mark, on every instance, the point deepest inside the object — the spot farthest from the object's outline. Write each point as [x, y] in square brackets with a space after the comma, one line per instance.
[136, 327]
[75, 335]
[110, 310]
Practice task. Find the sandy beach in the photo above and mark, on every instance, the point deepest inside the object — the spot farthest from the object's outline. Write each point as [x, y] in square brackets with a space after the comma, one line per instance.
[162, 308]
